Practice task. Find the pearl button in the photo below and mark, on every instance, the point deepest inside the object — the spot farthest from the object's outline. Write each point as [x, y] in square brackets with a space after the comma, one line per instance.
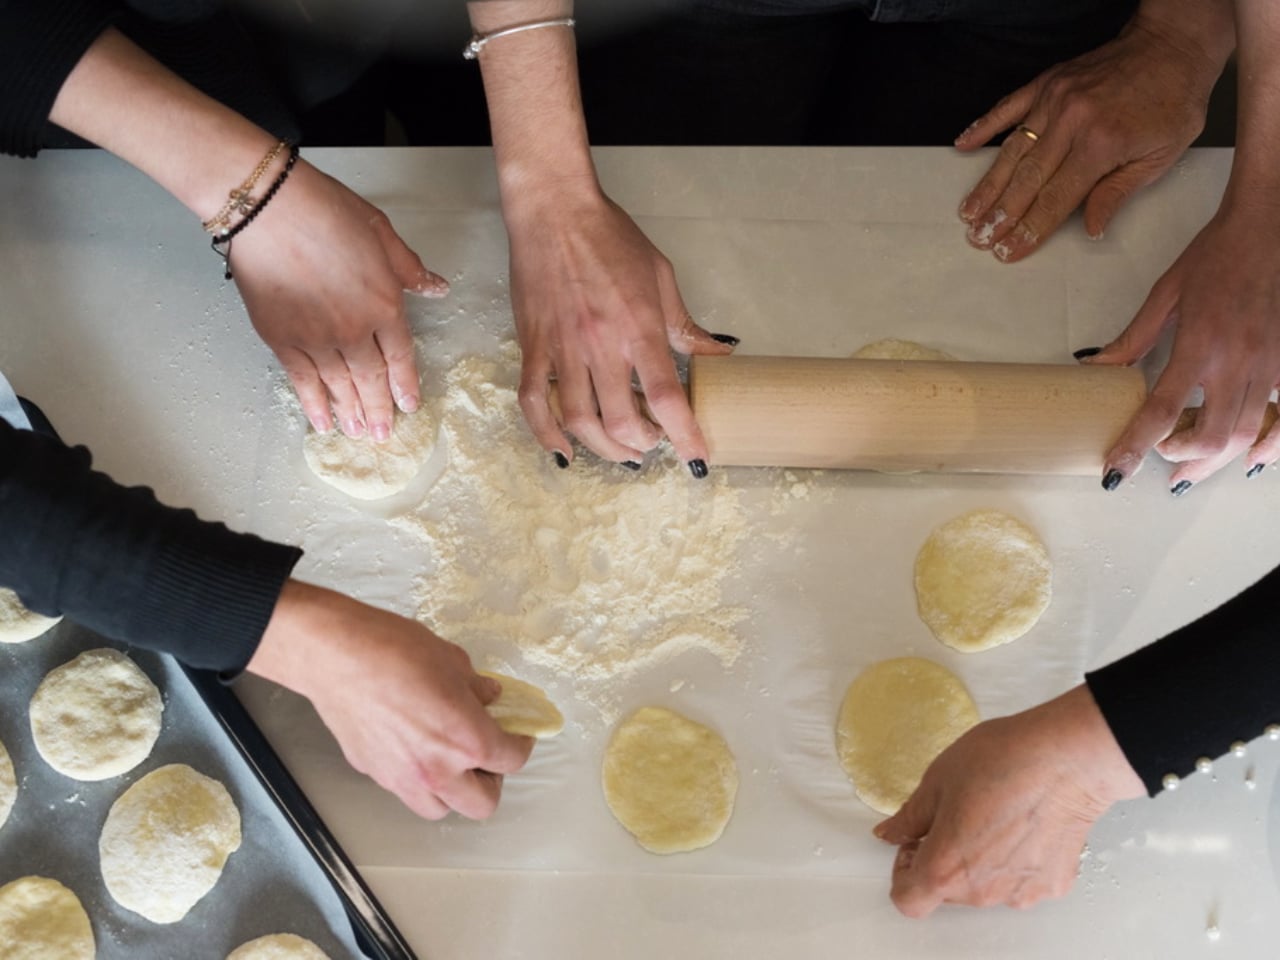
[1204, 765]
[1170, 781]
[1239, 748]
[1272, 731]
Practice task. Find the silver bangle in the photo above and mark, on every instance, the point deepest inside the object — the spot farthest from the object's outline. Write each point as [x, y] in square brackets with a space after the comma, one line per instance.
[472, 49]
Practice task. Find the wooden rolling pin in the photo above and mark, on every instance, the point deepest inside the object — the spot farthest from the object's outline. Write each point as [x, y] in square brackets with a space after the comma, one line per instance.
[895, 415]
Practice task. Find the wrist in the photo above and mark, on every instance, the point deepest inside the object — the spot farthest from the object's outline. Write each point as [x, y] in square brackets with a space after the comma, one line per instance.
[298, 643]
[1074, 726]
[1202, 30]
[531, 195]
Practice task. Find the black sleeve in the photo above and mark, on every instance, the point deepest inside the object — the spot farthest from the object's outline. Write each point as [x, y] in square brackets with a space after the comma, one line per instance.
[117, 560]
[41, 41]
[1200, 689]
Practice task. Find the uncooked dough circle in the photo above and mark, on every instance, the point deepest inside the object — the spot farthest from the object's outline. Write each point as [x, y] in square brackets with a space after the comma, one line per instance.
[278, 946]
[40, 919]
[17, 623]
[671, 782]
[982, 579]
[166, 840]
[368, 470]
[891, 349]
[96, 716]
[8, 785]
[897, 716]
[524, 709]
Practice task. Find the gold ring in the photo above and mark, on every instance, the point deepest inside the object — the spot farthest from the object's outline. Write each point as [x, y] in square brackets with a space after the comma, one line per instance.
[1023, 128]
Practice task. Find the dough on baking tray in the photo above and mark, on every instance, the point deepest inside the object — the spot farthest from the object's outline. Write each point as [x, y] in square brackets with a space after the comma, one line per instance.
[17, 623]
[8, 785]
[96, 716]
[166, 840]
[671, 782]
[896, 717]
[365, 469]
[278, 946]
[891, 349]
[40, 919]
[524, 709]
[982, 579]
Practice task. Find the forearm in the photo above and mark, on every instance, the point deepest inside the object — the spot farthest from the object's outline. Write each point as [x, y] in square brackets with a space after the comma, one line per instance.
[535, 107]
[118, 561]
[1255, 177]
[1204, 30]
[123, 100]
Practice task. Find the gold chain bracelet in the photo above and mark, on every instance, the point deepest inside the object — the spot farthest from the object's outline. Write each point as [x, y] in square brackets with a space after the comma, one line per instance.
[241, 200]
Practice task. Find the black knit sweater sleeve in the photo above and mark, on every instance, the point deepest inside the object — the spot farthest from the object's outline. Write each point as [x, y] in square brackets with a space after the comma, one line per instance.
[40, 42]
[1200, 689]
[117, 560]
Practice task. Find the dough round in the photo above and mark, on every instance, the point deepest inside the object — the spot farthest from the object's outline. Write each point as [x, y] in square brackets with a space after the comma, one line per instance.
[96, 716]
[8, 785]
[524, 709]
[367, 470]
[166, 840]
[278, 946]
[896, 717]
[40, 919]
[891, 349]
[671, 782]
[982, 579]
[17, 623]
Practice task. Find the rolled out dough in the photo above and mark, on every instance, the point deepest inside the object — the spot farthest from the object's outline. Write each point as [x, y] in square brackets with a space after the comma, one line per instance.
[8, 785]
[17, 623]
[982, 579]
[166, 840]
[524, 709]
[367, 470]
[891, 349]
[897, 716]
[671, 782]
[40, 919]
[278, 946]
[96, 716]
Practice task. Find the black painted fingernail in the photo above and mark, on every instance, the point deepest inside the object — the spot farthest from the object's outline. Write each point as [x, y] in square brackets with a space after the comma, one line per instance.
[1181, 487]
[1112, 480]
[1256, 469]
[726, 338]
[632, 464]
[561, 460]
[698, 468]
[1086, 352]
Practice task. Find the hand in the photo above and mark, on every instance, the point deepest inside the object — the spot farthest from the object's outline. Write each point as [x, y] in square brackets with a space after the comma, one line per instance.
[1223, 294]
[1103, 125]
[1001, 816]
[595, 300]
[405, 706]
[322, 273]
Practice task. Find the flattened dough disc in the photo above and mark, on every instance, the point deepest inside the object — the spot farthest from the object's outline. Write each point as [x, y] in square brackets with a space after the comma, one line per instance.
[365, 469]
[671, 782]
[982, 579]
[278, 946]
[8, 785]
[17, 623]
[897, 716]
[892, 349]
[40, 919]
[524, 709]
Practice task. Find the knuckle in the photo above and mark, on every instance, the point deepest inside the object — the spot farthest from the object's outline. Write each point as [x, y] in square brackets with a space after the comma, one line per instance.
[1028, 174]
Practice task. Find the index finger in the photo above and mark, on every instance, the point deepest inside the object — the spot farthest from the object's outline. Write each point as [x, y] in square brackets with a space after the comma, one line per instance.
[669, 404]
[1151, 424]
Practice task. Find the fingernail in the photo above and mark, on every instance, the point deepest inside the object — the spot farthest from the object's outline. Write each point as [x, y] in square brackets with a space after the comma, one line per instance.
[319, 425]
[561, 460]
[726, 338]
[1019, 240]
[1094, 236]
[1085, 352]
[381, 432]
[407, 404]
[968, 208]
[1181, 487]
[1112, 480]
[980, 234]
[432, 286]
[354, 429]
[1256, 469]
[698, 468]
[631, 464]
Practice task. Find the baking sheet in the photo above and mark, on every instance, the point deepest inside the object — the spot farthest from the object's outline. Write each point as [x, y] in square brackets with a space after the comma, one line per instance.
[270, 885]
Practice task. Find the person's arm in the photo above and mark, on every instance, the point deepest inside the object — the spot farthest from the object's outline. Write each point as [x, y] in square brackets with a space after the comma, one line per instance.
[1222, 295]
[1001, 815]
[321, 271]
[1102, 126]
[594, 300]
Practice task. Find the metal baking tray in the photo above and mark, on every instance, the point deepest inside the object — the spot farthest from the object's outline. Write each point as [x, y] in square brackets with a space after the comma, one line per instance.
[289, 874]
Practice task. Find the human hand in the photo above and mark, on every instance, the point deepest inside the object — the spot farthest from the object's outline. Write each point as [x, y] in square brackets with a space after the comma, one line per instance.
[405, 706]
[322, 273]
[1095, 130]
[1223, 294]
[1001, 815]
[595, 300]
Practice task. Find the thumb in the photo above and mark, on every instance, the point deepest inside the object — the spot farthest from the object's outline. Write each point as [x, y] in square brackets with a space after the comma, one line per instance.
[1157, 312]
[911, 822]
[1112, 192]
[407, 265]
[683, 333]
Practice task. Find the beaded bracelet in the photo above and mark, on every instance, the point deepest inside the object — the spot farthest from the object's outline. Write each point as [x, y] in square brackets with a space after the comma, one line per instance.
[226, 236]
[240, 200]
